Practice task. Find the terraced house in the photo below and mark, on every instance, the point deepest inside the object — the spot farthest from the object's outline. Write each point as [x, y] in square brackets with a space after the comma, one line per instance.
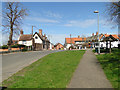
[93, 40]
[76, 42]
[38, 40]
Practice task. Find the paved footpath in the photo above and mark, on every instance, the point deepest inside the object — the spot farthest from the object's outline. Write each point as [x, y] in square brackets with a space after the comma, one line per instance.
[89, 74]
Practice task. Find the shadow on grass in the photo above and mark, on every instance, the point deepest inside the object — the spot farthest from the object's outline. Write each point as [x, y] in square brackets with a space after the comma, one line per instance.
[111, 66]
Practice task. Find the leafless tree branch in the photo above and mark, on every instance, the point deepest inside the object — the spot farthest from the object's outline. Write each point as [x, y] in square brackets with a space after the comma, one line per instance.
[13, 14]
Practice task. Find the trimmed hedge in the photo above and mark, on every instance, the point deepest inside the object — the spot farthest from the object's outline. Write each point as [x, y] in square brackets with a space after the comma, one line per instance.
[23, 50]
[15, 46]
[4, 47]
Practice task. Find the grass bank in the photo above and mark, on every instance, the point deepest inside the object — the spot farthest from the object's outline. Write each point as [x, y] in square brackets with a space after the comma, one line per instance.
[52, 71]
[111, 66]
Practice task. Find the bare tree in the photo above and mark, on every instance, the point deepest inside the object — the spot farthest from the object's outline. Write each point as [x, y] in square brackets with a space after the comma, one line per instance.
[13, 14]
[112, 11]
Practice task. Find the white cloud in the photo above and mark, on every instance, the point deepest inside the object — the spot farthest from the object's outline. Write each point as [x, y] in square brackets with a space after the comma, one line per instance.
[83, 24]
[58, 38]
[51, 14]
[42, 20]
[3, 39]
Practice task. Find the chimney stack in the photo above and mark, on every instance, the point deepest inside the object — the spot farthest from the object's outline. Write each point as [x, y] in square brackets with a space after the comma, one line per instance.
[78, 36]
[96, 33]
[105, 34]
[40, 32]
[21, 32]
[44, 35]
[92, 34]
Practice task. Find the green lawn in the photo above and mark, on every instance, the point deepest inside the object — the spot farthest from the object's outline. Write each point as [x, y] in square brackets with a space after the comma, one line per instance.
[52, 71]
[110, 64]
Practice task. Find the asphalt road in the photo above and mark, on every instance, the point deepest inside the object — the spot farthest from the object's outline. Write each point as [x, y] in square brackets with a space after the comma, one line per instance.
[13, 62]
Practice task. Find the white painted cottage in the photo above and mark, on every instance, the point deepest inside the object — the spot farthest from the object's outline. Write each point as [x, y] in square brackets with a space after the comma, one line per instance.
[38, 41]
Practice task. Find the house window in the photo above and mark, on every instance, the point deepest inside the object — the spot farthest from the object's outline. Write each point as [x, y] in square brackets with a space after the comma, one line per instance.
[97, 44]
[36, 37]
[24, 42]
[101, 45]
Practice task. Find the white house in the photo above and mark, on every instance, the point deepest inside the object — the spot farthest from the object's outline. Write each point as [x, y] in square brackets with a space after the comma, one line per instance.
[25, 39]
[74, 42]
[38, 41]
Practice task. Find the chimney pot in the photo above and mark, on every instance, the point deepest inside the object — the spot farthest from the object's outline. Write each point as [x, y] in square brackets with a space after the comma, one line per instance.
[78, 36]
[40, 32]
[21, 32]
[44, 35]
[96, 33]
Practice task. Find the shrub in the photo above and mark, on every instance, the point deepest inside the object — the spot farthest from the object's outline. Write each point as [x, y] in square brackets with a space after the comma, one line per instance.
[4, 47]
[23, 50]
[15, 46]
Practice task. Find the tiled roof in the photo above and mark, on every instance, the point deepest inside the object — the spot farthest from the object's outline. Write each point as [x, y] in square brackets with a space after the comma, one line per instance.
[72, 40]
[25, 37]
[57, 44]
[100, 36]
[115, 36]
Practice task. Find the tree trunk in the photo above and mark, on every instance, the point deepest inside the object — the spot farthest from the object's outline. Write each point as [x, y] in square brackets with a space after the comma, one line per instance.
[110, 47]
[106, 46]
[10, 38]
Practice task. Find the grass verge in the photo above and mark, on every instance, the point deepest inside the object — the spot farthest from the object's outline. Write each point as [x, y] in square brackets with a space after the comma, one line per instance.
[52, 71]
[111, 66]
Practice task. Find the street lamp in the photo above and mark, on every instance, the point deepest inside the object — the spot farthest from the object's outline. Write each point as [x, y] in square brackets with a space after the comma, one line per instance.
[98, 32]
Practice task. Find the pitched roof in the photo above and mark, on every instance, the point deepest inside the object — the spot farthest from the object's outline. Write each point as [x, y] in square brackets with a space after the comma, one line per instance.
[25, 37]
[95, 37]
[38, 35]
[57, 44]
[42, 37]
[110, 38]
[72, 40]
[115, 36]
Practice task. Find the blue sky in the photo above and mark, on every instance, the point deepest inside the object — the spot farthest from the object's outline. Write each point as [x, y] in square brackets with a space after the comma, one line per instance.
[60, 19]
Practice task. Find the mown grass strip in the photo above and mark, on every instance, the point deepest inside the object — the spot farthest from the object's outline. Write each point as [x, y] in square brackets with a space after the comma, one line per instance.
[111, 66]
[52, 71]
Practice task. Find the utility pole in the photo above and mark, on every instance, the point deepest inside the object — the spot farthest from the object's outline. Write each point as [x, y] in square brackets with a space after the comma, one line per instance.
[98, 36]
[32, 30]
[32, 39]
[98, 32]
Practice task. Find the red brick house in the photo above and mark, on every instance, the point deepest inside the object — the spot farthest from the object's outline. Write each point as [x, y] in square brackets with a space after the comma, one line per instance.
[59, 46]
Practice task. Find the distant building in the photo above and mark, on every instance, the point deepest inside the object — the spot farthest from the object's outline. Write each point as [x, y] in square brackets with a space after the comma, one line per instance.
[75, 42]
[59, 46]
[38, 41]
[51, 46]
